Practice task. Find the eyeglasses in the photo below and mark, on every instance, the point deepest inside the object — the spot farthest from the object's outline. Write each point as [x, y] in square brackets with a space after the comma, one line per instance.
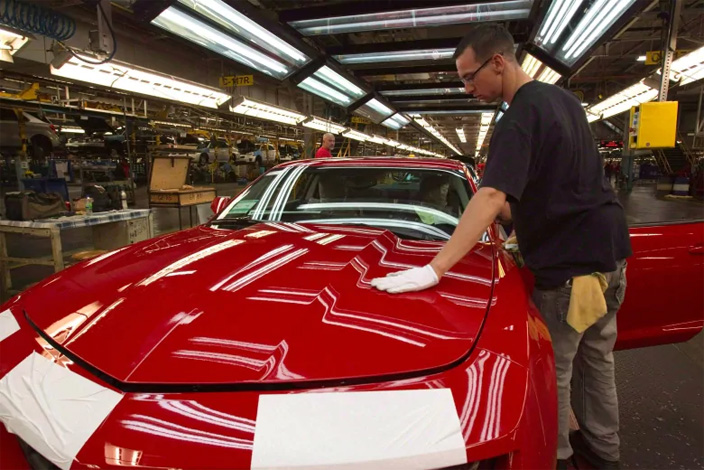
[469, 78]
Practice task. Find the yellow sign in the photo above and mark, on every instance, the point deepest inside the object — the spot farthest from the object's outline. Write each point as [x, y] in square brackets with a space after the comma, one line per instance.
[360, 120]
[236, 80]
[655, 57]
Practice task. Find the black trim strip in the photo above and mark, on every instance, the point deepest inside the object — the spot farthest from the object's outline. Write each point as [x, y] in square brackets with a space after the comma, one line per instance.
[127, 387]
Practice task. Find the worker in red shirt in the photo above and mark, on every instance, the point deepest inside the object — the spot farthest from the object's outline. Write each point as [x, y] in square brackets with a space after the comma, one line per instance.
[328, 145]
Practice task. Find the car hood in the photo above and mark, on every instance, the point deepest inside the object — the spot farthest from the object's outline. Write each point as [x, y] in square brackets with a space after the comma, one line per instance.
[269, 303]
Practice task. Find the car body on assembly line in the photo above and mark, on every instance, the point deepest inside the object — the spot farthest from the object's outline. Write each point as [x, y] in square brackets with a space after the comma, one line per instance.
[41, 136]
[264, 155]
[257, 341]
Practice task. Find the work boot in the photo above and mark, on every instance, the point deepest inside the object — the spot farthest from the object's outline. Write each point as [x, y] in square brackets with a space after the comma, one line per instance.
[581, 448]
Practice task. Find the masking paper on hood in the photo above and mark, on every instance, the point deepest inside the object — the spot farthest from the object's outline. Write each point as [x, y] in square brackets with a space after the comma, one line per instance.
[405, 429]
[52, 409]
[8, 324]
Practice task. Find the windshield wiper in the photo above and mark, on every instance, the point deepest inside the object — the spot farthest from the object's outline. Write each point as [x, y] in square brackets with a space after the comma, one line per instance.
[235, 221]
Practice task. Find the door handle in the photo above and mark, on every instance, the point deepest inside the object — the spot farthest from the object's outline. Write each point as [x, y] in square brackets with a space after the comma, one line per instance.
[696, 250]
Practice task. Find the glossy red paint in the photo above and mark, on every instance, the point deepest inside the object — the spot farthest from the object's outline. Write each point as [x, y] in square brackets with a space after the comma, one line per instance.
[222, 306]
[664, 298]
[219, 306]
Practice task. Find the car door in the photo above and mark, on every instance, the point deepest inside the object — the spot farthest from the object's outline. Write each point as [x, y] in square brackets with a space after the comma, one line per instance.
[664, 300]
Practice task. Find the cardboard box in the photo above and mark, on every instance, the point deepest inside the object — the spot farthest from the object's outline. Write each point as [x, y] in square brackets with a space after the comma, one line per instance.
[167, 181]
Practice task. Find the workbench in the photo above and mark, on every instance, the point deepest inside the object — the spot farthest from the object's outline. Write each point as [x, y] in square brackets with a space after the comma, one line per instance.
[111, 230]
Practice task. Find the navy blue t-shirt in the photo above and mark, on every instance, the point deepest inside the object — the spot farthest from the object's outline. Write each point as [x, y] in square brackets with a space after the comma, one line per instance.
[566, 215]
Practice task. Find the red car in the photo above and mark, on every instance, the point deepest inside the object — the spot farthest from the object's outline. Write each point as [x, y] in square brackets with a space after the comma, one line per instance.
[256, 340]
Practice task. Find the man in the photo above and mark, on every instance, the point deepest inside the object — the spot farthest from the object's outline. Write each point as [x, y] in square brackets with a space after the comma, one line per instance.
[543, 161]
[328, 145]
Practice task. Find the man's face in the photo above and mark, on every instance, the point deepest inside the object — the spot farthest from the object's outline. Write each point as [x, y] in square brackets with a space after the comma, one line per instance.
[483, 79]
[329, 142]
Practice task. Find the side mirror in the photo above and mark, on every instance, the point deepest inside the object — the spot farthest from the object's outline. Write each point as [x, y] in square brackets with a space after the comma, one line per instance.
[219, 203]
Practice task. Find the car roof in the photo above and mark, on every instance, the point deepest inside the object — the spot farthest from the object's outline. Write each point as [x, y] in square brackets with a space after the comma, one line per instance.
[400, 162]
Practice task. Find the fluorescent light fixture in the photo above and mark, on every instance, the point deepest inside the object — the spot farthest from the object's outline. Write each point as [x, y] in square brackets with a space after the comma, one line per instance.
[641, 58]
[440, 112]
[235, 22]
[689, 68]
[569, 45]
[429, 127]
[192, 29]
[396, 122]
[483, 129]
[531, 65]
[460, 134]
[395, 56]
[559, 15]
[137, 80]
[421, 92]
[392, 143]
[548, 75]
[622, 101]
[376, 139]
[323, 125]
[170, 124]
[356, 135]
[332, 86]
[71, 130]
[374, 110]
[418, 18]
[319, 88]
[257, 109]
[600, 17]
[11, 41]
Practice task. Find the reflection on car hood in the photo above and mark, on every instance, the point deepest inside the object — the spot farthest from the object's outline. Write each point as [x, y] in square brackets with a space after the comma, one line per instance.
[270, 303]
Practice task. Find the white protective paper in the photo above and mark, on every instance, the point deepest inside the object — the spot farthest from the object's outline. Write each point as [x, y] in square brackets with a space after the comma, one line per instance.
[405, 429]
[8, 324]
[52, 409]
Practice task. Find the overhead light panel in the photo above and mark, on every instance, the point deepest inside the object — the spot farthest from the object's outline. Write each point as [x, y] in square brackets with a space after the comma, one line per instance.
[71, 130]
[548, 75]
[641, 58]
[257, 109]
[421, 91]
[11, 41]
[396, 122]
[483, 129]
[239, 38]
[332, 86]
[137, 80]
[621, 101]
[323, 125]
[689, 68]
[558, 35]
[376, 139]
[531, 65]
[356, 135]
[374, 110]
[431, 129]
[416, 18]
[460, 134]
[395, 56]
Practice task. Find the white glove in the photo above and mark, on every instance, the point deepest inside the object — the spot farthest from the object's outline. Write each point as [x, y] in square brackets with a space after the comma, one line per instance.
[407, 281]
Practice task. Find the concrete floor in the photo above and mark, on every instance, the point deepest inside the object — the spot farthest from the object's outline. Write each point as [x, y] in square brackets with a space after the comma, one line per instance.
[660, 388]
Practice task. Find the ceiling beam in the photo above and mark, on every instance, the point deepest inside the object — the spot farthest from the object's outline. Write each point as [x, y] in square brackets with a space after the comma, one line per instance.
[456, 107]
[439, 43]
[357, 6]
[453, 96]
[406, 70]
[418, 86]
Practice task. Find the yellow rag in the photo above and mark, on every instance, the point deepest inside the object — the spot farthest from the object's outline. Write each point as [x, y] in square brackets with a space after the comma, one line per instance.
[587, 302]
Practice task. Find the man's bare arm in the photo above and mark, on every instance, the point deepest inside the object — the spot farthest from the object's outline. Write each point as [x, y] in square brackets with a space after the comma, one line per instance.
[480, 213]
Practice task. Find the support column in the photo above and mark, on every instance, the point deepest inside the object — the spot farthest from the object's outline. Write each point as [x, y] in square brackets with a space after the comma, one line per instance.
[669, 47]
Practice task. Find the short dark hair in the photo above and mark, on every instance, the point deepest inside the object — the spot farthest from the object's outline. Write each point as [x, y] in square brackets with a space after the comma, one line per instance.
[487, 40]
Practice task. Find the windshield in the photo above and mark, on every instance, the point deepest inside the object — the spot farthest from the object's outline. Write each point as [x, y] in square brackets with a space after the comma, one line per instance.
[411, 202]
